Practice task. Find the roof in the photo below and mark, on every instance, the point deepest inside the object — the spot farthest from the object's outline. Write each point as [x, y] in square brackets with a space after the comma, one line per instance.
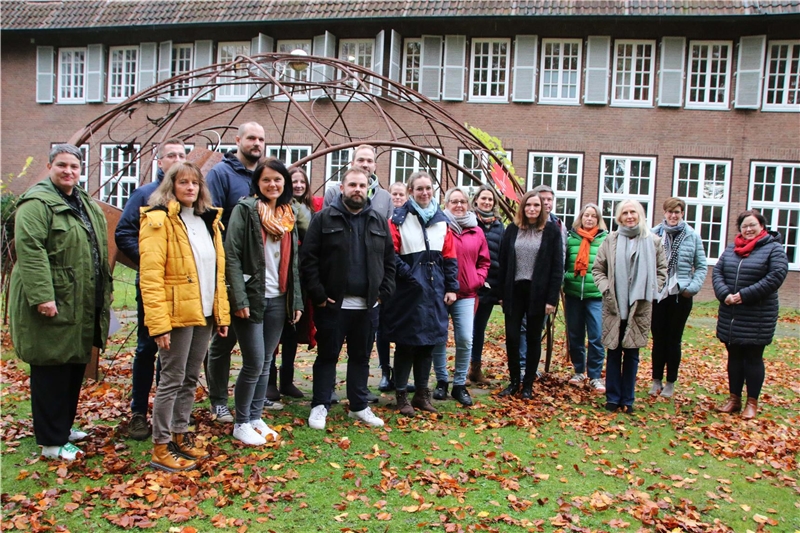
[76, 14]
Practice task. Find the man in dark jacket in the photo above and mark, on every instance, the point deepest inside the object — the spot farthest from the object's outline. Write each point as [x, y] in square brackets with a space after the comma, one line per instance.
[126, 236]
[347, 268]
[229, 182]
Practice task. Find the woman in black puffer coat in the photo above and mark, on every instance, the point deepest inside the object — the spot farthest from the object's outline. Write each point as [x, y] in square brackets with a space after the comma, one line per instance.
[746, 282]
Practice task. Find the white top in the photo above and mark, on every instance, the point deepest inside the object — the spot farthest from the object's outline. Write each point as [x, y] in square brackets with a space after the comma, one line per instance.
[272, 259]
[205, 257]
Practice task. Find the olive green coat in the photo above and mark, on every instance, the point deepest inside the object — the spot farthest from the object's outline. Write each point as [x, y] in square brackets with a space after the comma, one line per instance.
[54, 263]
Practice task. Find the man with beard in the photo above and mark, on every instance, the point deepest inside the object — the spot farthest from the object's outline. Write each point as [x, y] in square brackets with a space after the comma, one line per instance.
[347, 268]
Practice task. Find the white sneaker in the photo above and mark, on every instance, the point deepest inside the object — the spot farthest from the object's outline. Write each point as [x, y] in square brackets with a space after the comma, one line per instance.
[221, 413]
[246, 434]
[264, 430]
[366, 416]
[316, 420]
[67, 452]
[597, 385]
[577, 379]
[76, 435]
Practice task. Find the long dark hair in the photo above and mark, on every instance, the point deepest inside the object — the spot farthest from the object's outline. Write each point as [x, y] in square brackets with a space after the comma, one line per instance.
[305, 199]
[270, 162]
[522, 221]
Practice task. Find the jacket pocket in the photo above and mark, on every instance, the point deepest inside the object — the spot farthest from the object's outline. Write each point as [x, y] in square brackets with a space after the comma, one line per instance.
[65, 289]
[378, 238]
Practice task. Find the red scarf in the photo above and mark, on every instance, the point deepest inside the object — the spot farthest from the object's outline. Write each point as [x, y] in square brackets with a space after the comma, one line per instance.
[743, 247]
[582, 259]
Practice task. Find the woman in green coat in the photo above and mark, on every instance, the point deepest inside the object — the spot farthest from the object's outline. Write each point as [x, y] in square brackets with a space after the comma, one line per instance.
[59, 296]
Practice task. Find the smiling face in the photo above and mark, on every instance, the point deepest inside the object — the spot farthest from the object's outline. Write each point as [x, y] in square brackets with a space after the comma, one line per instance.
[399, 195]
[673, 216]
[589, 218]
[533, 207]
[457, 204]
[65, 172]
[750, 228]
[485, 201]
[629, 217]
[187, 187]
[422, 191]
[298, 184]
[271, 184]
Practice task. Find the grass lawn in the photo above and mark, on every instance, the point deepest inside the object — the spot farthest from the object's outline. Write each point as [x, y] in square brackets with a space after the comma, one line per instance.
[557, 463]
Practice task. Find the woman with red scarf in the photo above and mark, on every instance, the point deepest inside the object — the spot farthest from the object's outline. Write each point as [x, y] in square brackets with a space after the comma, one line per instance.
[746, 279]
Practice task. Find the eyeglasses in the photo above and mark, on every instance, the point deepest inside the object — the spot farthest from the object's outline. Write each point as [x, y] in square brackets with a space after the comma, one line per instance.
[749, 226]
[459, 202]
[174, 155]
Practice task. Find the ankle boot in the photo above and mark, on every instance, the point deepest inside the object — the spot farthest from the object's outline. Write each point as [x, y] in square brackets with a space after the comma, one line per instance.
[732, 405]
[273, 394]
[440, 393]
[476, 374]
[750, 409]
[461, 395]
[527, 391]
[422, 400]
[387, 380]
[402, 403]
[166, 459]
[288, 387]
[511, 390]
[185, 445]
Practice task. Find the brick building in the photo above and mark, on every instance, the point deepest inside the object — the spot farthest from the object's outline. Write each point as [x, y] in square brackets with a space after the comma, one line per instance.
[603, 100]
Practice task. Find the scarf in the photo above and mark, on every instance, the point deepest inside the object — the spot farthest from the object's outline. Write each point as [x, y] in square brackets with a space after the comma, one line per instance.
[635, 264]
[673, 238]
[276, 222]
[425, 214]
[459, 224]
[582, 259]
[743, 248]
[486, 217]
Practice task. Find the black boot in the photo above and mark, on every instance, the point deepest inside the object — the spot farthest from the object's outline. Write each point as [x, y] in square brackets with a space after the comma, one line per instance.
[440, 393]
[527, 387]
[273, 393]
[511, 390]
[288, 388]
[387, 380]
[461, 395]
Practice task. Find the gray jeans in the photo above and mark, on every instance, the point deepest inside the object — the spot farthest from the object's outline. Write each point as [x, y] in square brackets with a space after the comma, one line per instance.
[180, 370]
[257, 342]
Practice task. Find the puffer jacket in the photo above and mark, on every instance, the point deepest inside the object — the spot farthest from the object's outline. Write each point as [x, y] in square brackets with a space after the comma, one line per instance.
[472, 254]
[168, 274]
[692, 265]
[494, 237]
[640, 313]
[581, 287]
[757, 279]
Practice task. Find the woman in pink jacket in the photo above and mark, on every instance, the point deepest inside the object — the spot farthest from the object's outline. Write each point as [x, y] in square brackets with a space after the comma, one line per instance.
[472, 254]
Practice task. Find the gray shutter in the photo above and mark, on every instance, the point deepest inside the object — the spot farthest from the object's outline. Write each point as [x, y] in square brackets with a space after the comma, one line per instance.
[670, 74]
[325, 46]
[262, 44]
[148, 65]
[455, 47]
[95, 73]
[525, 51]
[203, 57]
[395, 56]
[430, 66]
[750, 71]
[164, 60]
[45, 74]
[377, 63]
[597, 66]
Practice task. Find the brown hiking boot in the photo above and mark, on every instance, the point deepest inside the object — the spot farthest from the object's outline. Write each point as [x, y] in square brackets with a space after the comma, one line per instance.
[733, 405]
[476, 375]
[750, 409]
[422, 400]
[166, 459]
[402, 403]
[184, 444]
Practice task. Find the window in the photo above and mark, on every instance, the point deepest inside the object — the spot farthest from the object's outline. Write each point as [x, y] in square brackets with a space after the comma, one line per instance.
[623, 178]
[233, 83]
[71, 75]
[704, 186]
[709, 74]
[563, 173]
[412, 55]
[406, 162]
[83, 179]
[775, 191]
[490, 70]
[358, 52]
[561, 71]
[123, 64]
[291, 154]
[475, 163]
[222, 148]
[633, 73]
[119, 173]
[291, 75]
[782, 92]
[181, 63]
[335, 165]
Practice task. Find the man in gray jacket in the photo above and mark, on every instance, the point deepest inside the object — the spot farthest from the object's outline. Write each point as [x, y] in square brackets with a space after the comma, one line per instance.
[381, 200]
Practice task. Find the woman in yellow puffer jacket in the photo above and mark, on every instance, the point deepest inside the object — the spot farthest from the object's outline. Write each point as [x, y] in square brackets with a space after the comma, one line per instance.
[182, 278]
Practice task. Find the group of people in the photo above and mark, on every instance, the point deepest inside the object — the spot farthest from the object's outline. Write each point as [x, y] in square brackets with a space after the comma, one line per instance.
[246, 254]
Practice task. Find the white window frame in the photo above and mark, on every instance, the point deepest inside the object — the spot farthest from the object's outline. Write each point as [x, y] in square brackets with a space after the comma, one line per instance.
[222, 148]
[336, 163]
[412, 63]
[176, 68]
[154, 166]
[496, 71]
[234, 86]
[708, 196]
[73, 92]
[564, 195]
[418, 163]
[291, 153]
[633, 73]
[614, 198]
[469, 160]
[559, 72]
[784, 77]
[83, 178]
[119, 174]
[290, 75]
[126, 78]
[706, 88]
[772, 206]
[360, 57]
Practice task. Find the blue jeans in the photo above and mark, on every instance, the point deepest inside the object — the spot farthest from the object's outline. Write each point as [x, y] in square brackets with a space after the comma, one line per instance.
[622, 364]
[144, 360]
[463, 313]
[585, 318]
[479, 325]
[258, 341]
[523, 343]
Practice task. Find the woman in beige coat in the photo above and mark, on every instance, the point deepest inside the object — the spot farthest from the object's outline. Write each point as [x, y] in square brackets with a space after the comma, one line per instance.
[629, 270]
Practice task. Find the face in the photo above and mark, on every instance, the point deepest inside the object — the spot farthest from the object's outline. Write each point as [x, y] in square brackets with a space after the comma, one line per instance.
[298, 185]
[250, 145]
[171, 154]
[547, 200]
[674, 216]
[354, 190]
[533, 207]
[750, 227]
[271, 184]
[589, 218]
[399, 195]
[422, 192]
[629, 217]
[457, 204]
[187, 187]
[485, 201]
[365, 160]
[65, 172]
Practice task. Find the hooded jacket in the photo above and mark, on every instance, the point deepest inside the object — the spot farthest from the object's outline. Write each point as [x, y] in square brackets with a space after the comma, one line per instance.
[494, 237]
[126, 235]
[472, 254]
[380, 197]
[228, 182]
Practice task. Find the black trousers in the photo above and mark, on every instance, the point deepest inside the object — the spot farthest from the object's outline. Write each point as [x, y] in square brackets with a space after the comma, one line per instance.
[406, 357]
[669, 319]
[745, 366]
[513, 320]
[55, 390]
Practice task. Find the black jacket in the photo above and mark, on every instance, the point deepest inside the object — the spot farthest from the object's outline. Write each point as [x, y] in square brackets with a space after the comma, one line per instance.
[325, 257]
[494, 237]
[757, 279]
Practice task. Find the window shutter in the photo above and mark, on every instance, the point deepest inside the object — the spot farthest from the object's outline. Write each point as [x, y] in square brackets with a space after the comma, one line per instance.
[262, 44]
[164, 60]
[525, 51]
[324, 45]
[670, 75]
[750, 71]
[95, 73]
[45, 74]
[203, 57]
[597, 66]
[455, 70]
[148, 65]
[395, 60]
[377, 63]
[430, 67]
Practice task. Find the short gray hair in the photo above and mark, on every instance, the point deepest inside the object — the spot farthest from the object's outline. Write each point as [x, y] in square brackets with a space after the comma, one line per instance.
[66, 149]
[456, 189]
[544, 188]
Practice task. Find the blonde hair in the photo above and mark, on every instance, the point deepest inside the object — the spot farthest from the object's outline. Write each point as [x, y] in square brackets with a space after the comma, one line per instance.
[578, 222]
[165, 193]
[522, 221]
[642, 225]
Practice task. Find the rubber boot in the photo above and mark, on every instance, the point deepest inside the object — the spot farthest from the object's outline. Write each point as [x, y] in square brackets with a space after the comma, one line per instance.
[402, 403]
[168, 460]
[750, 409]
[733, 405]
[422, 400]
[184, 444]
